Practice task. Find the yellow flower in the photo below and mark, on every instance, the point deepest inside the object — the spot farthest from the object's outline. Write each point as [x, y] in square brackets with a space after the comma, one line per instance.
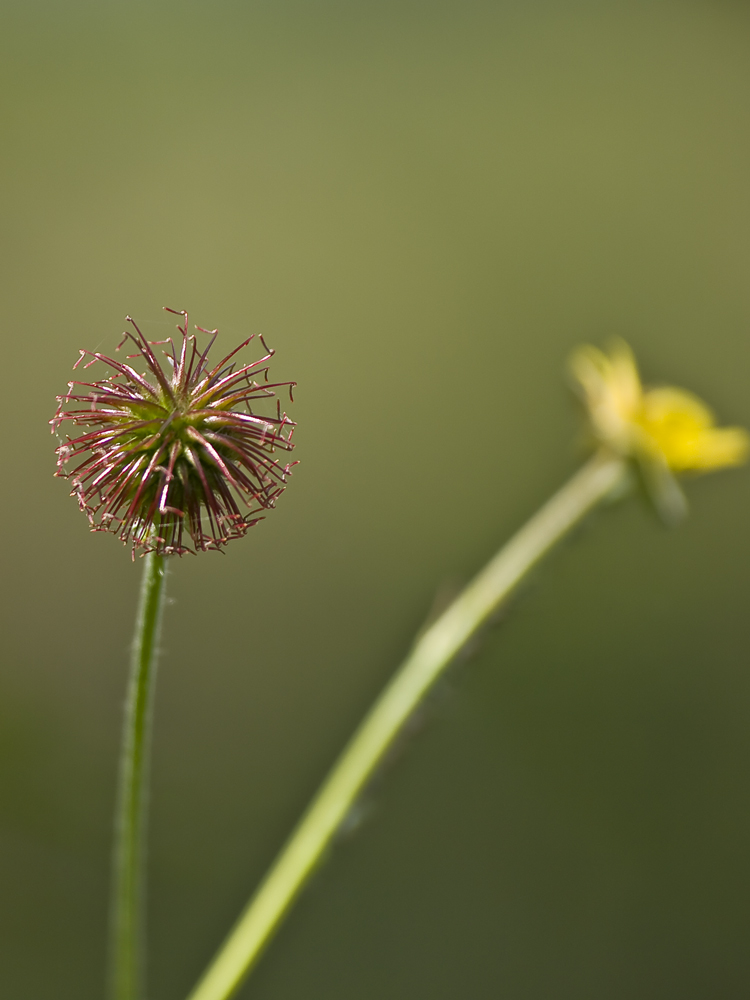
[665, 429]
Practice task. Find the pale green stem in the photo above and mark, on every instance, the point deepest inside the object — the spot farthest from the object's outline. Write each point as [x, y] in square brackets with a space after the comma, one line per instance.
[127, 913]
[431, 654]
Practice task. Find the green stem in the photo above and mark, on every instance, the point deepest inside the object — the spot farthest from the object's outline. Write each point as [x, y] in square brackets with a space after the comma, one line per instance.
[430, 655]
[126, 943]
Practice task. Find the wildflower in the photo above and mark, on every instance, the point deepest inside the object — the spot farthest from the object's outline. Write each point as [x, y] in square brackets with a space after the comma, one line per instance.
[666, 430]
[176, 461]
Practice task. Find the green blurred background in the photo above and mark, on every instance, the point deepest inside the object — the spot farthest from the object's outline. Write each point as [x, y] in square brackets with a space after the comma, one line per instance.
[423, 207]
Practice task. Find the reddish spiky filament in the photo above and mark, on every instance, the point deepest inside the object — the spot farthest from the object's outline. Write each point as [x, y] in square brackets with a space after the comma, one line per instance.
[171, 457]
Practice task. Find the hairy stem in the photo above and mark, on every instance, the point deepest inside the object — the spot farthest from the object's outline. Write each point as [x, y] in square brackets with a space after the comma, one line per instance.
[431, 654]
[127, 913]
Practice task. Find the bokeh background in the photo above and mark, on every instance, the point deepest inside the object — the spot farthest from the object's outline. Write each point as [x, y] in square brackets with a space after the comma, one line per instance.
[423, 206]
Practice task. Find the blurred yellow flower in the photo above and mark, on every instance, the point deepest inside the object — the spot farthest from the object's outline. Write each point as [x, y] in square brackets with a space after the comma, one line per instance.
[665, 429]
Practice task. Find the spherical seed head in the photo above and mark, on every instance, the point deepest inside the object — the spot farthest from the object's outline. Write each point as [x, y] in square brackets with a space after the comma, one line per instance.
[176, 460]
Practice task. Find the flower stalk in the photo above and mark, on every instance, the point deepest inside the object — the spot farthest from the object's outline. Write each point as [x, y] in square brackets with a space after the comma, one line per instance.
[128, 902]
[432, 653]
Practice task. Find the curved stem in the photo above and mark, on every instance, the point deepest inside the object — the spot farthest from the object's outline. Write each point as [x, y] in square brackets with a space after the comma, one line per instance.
[126, 918]
[431, 654]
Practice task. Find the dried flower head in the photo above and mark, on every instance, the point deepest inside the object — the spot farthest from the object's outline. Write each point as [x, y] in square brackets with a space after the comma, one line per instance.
[665, 429]
[179, 460]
